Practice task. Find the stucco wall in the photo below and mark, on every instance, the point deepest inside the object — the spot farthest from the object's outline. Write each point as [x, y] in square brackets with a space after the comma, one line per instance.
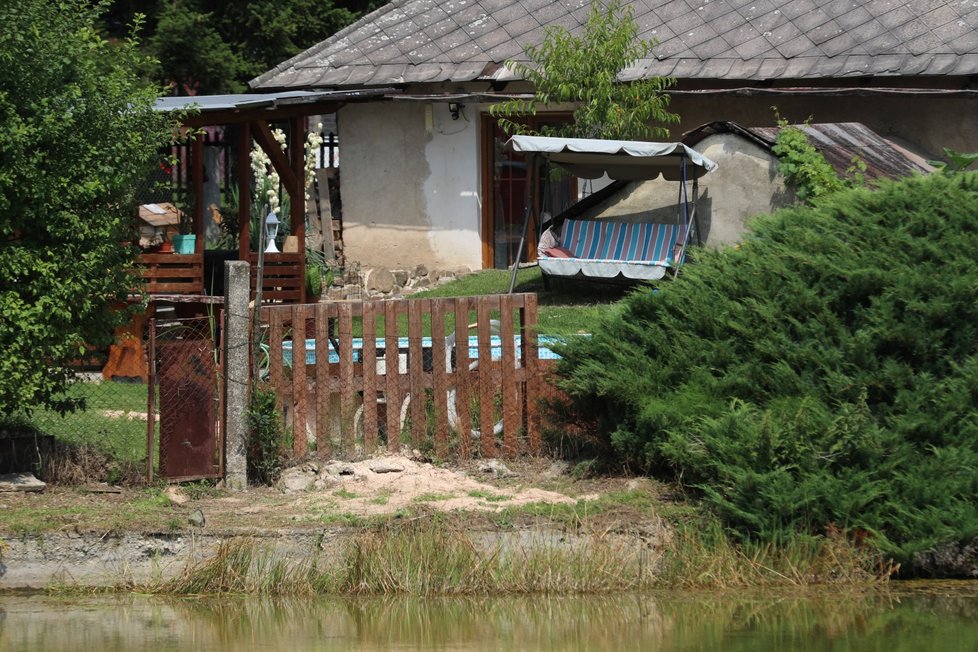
[410, 186]
[744, 184]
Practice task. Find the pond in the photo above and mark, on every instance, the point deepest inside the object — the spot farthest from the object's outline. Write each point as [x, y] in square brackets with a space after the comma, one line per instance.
[908, 616]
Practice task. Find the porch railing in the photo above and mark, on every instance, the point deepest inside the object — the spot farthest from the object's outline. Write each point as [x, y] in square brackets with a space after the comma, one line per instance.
[283, 278]
[457, 376]
[172, 273]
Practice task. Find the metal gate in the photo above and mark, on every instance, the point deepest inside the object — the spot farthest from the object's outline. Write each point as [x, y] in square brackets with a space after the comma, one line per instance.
[184, 373]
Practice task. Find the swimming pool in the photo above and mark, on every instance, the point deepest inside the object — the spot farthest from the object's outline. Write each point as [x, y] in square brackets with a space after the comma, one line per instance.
[544, 352]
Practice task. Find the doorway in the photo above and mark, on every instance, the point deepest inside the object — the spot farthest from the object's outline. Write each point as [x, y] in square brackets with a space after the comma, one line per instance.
[505, 186]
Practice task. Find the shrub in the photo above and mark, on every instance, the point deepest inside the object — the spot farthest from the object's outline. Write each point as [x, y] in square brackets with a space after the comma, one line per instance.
[265, 436]
[823, 373]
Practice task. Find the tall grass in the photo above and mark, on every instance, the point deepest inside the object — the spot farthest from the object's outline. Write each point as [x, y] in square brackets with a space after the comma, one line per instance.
[438, 558]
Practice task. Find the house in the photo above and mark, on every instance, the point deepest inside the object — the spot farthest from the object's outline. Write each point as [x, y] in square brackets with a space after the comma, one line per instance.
[426, 177]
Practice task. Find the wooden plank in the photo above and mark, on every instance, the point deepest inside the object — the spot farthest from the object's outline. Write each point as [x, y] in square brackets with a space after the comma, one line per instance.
[370, 376]
[275, 358]
[347, 390]
[393, 385]
[464, 377]
[487, 389]
[511, 417]
[416, 368]
[439, 371]
[299, 382]
[322, 382]
[531, 363]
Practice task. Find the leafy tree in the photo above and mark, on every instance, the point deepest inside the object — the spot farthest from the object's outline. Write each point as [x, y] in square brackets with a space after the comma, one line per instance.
[77, 131]
[823, 372]
[214, 46]
[583, 71]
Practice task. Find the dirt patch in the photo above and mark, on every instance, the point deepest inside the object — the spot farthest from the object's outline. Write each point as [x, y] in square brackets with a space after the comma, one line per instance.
[317, 493]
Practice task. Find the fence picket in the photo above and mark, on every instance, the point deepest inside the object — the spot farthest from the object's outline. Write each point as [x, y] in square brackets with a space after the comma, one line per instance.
[299, 382]
[322, 381]
[531, 363]
[347, 390]
[487, 388]
[416, 370]
[369, 355]
[393, 379]
[511, 418]
[439, 372]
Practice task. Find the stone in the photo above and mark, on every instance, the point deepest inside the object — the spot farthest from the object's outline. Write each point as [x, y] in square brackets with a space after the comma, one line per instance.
[385, 467]
[20, 482]
[421, 282]
[176, 496]
[401, 277]
[557, 469]
[196, 518]
[421, 270]
[295, 480]
[496, 468]
[379, 280]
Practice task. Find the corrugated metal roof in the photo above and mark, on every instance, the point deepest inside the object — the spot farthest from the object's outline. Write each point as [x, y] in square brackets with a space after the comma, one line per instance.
[839, 142]
[241, 101]
[410, 41]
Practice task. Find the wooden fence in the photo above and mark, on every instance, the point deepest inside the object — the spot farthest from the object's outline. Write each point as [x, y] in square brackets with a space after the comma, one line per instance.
[350, 376]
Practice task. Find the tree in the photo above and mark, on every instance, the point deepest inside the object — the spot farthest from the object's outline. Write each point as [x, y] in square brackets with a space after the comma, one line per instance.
[77, 132]
[214, 46]
[584, 71]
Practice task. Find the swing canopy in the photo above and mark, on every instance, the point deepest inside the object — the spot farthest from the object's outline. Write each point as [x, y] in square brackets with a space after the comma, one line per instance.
[624, 160]
[608, 249]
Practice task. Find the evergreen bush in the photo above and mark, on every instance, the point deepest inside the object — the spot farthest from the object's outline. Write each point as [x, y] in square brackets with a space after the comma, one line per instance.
[822, 374]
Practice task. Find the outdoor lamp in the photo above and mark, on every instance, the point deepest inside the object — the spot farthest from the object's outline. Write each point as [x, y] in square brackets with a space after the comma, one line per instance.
[271, 230]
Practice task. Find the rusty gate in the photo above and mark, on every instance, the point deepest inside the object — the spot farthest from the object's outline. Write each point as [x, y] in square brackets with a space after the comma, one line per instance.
[185, 379]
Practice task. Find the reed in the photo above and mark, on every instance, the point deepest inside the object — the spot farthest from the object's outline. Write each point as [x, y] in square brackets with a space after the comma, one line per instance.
[704, 556]
[428, 557]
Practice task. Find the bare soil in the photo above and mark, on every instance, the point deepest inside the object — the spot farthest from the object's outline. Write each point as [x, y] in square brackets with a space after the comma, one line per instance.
[350, 493]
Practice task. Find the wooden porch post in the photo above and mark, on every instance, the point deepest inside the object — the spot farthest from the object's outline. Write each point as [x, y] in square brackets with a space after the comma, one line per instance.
[197, 161]
[297, 194]
[244, 193]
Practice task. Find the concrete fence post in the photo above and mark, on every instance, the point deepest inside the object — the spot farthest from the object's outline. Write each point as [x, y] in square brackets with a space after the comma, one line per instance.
[237, 290]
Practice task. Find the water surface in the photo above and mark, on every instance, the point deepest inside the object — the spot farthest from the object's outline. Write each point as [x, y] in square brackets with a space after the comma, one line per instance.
[908, 617]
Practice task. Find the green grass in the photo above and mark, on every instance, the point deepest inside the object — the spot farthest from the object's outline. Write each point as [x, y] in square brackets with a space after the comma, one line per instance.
[488, 496]
[432, 497]
[113, 421]
[566, 308]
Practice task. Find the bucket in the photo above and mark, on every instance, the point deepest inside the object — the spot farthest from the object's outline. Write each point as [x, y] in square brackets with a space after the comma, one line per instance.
[184, 244]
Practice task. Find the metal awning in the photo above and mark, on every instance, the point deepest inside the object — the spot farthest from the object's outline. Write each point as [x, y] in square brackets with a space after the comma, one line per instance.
[626, 160]
[244, 101]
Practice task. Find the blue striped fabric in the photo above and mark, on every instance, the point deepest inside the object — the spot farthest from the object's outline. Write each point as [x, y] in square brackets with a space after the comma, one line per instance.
[607, 240]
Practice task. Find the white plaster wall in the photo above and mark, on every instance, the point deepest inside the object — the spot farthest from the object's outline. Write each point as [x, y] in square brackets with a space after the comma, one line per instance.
[409, 183]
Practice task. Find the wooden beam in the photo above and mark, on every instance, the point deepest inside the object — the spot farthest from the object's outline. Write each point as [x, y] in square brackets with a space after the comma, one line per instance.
[237, 116]
[263, 136]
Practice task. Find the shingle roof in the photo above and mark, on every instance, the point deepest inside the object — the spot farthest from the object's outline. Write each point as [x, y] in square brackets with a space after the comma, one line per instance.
[410, 41]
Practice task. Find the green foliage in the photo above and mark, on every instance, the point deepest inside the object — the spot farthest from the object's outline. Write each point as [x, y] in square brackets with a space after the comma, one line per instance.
[212, 46]
[804, 168]
[824, 372]
[265, 436]
[584, 70]
[77, 132]
[956, 161]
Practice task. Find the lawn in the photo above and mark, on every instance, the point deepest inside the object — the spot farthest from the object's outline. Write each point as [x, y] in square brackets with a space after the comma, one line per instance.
[566, 308]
